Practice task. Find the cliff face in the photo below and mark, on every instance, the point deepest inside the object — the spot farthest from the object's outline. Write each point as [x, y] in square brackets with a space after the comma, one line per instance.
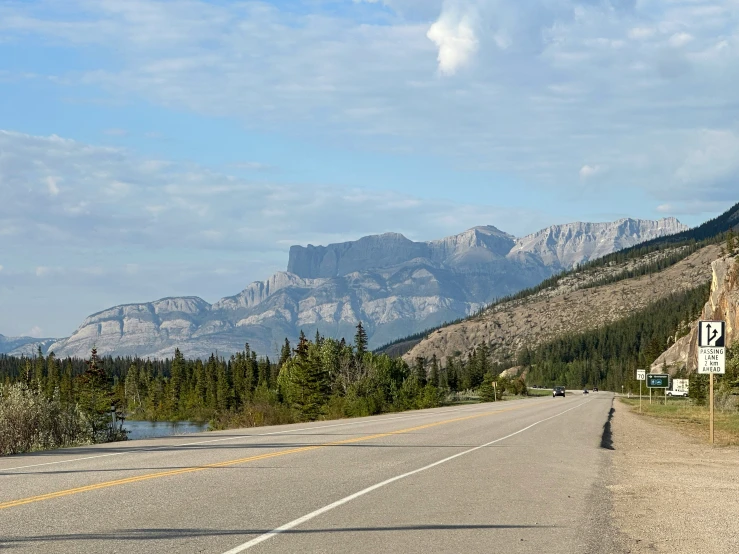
[723, 304]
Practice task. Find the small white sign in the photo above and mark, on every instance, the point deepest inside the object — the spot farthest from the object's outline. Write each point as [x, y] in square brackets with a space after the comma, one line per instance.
[641, 374]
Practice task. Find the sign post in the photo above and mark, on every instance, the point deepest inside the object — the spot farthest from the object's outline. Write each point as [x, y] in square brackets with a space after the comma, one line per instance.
[641, 375]
[711, 358]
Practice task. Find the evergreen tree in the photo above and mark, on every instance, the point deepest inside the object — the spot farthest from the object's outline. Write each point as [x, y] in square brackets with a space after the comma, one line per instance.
[284, 353]
[487, 392]
[360, 341]
[419, 369]
[95, 398]
[434, 374]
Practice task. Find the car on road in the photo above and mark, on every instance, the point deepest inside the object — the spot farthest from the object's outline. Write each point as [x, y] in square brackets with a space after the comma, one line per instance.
[595, 389]
[558, 391]
[585, 391]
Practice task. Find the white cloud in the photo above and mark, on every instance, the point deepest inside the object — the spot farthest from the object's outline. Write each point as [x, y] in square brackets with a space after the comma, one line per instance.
[680, 39]
[588, 171]
[51, 184]
[35, 332]
[641, 33]
[41, 271]
[1, 269]
[454, 35]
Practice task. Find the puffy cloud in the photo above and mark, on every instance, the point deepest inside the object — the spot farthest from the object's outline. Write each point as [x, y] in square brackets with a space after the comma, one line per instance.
[454, 35]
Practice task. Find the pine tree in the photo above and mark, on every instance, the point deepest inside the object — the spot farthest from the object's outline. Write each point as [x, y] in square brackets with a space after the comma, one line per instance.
[730, 241]
[95, 398]
[360, 341]
[39, 366]
[434, 374]
[487, 392]
[285, 353]
[420, 371]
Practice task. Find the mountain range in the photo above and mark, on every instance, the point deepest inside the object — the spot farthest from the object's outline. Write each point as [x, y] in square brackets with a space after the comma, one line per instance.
[394, 285]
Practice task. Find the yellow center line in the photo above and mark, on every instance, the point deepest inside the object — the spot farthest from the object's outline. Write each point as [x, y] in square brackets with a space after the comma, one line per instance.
[127, 480]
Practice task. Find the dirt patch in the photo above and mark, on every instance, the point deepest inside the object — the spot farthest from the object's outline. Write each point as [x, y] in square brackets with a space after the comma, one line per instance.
[672, 492]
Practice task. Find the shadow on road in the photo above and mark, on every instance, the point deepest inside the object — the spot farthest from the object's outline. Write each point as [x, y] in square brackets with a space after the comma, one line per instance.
[163, 534]
[606, 440]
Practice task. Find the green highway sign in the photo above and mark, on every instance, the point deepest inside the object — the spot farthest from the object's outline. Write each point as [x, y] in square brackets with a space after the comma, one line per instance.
[658, 380]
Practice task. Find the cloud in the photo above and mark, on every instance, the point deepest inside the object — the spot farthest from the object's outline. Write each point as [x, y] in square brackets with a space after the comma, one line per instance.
[588, 171]
[51, 183]
[680, 39]
[35, 332]
[87, 249]
[454, 35]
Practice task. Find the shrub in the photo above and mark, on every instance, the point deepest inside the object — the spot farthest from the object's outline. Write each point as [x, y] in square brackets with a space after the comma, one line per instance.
[30, 421]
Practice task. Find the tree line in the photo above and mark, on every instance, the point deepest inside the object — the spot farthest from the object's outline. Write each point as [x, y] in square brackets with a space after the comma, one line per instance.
[316, 379]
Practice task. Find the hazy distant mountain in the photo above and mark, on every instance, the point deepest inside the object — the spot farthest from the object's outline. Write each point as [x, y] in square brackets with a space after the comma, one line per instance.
[395, 286]
[18, 346]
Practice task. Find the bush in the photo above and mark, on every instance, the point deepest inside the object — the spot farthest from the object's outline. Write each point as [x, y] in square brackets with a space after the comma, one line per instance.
[30, 421]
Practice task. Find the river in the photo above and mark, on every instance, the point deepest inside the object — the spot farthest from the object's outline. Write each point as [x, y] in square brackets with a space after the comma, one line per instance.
[151, 429]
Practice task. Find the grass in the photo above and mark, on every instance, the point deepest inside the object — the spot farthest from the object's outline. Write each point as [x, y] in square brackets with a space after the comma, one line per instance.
[540, 392]
[692, 419]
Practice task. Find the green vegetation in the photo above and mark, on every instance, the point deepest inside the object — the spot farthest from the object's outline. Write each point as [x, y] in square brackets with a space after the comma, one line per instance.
[693, 420]
[609, 356]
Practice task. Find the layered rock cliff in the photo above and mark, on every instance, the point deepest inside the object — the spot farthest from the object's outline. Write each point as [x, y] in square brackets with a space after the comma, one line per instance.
[723, 304]
[395, 286]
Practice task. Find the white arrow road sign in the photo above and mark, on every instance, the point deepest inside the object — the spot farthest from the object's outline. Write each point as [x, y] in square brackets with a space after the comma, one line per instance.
[711, 351]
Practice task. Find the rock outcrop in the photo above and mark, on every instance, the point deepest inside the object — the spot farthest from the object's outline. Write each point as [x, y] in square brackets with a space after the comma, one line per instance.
[394, 285]
[723, 304]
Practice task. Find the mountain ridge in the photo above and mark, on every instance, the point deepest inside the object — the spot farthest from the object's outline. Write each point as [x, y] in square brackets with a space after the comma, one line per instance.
[392, 290]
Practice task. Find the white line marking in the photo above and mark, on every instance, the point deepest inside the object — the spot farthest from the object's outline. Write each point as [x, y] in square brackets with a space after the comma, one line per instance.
[156, 448]
[316, 513]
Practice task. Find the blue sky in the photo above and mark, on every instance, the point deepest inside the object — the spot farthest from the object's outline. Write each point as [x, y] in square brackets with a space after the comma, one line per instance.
[156, 148]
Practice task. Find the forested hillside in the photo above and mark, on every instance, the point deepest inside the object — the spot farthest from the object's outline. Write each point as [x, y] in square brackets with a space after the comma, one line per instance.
[647, 258]
[608, 357]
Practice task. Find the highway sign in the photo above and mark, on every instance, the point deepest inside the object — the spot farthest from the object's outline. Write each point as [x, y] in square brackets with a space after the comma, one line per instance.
[680, 385]
[711, 350]
[641, 374]
[658, 380]
[711, 333]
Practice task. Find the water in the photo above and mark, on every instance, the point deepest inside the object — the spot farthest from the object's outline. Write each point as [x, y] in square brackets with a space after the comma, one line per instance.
[150, 429]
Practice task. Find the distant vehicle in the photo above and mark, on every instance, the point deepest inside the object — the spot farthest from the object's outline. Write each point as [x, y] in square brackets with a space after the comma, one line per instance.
[585, 391]
[558, 391]
[595, 389]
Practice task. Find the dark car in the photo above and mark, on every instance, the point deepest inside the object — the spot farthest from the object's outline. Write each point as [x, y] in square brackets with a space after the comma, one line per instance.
[558, 391]
[585, 391]
[595, 389]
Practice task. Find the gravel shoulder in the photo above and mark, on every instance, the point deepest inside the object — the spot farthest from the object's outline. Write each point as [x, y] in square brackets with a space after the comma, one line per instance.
[671, 492]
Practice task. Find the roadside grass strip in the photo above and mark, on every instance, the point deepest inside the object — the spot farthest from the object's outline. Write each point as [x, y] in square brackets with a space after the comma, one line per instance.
[691, 419]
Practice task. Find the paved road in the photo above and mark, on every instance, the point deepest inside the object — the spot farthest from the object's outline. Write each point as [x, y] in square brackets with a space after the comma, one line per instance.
[518, 476]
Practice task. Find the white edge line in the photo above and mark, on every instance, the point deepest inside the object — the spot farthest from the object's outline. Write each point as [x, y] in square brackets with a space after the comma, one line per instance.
[156, 448]
[316, 513]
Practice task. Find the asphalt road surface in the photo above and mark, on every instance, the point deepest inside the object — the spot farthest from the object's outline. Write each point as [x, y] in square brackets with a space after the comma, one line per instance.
[515, 476]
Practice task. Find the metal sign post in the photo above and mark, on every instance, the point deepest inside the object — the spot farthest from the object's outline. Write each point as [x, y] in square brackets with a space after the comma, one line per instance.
[641, 375]
[711, 358]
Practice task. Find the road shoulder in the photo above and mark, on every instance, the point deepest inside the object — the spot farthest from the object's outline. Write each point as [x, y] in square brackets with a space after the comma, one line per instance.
[670, 492]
